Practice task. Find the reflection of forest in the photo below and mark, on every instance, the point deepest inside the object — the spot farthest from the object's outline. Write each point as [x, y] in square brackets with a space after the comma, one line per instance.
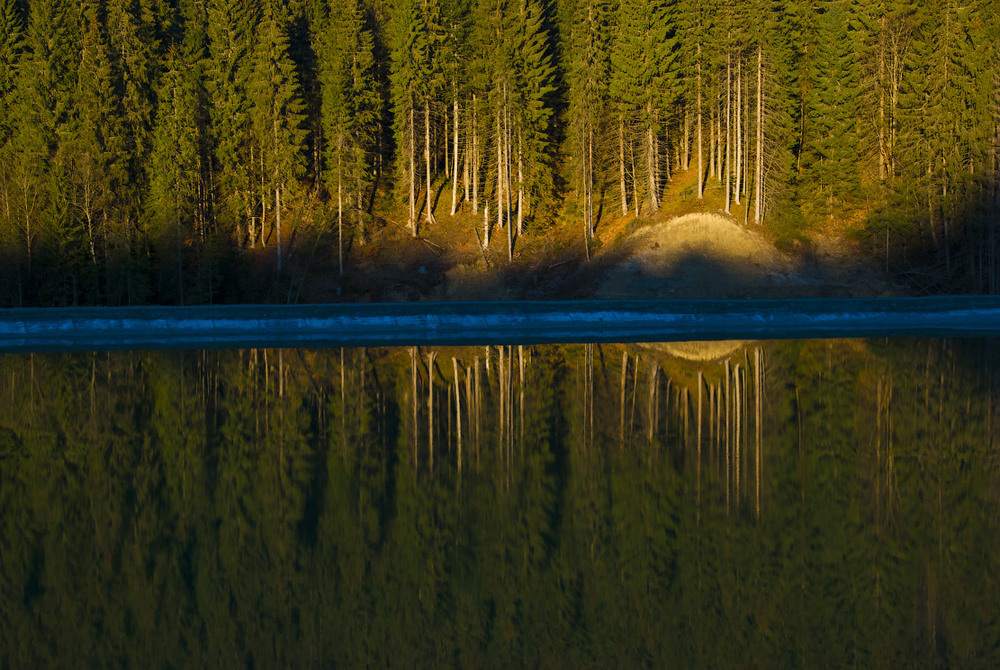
[790, 504]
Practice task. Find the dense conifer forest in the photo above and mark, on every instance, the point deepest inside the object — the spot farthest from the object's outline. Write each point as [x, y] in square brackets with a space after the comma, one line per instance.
[151, 149]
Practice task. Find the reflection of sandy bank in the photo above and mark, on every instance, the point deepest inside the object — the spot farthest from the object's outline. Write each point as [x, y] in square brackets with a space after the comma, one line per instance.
[702, 352]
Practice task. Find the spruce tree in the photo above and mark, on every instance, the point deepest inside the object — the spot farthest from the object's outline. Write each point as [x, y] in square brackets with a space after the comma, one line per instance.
[351, 111]
[642, 86]
[10, 52]
[409, 51]
[172, 204]
[42, 105]
[230, 37]
[94, 146]
[131, 34]
[832, 146]
[276, 110]
[587, 61]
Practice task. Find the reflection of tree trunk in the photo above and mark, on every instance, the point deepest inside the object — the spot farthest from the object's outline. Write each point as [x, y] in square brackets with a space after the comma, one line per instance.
[503, 398]
[520, 403]
[728, 433]
[698, 457]
[738, 450]
[430, 407]
[621, 430]
[458, 412]
[479, 398]
[758, 407]
[468, 407]
[413, 393]
[654, 376]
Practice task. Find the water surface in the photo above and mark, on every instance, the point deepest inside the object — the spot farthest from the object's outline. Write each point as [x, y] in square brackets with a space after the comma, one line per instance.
[803, 503]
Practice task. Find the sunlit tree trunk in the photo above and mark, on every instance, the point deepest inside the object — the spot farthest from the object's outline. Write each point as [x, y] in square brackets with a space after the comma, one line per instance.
[429, 216]
[621, 165]
[759, 170]
[738, 148]
[701, 163]
[729, 133]
[454, 168]
[413, 174]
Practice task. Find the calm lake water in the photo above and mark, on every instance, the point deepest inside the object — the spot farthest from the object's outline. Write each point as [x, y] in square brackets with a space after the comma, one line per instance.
[738, 504]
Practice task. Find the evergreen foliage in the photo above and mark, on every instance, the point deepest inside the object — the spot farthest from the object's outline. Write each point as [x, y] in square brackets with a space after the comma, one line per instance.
[882, 113]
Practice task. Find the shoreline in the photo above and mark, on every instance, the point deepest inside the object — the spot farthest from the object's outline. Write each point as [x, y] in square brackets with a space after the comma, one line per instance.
[491, 322]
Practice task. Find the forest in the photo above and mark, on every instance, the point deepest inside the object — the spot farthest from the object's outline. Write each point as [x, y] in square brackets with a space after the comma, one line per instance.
[779, 504]
[151, 151]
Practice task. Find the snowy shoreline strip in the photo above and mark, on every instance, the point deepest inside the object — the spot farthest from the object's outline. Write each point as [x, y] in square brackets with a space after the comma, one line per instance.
[454, 323]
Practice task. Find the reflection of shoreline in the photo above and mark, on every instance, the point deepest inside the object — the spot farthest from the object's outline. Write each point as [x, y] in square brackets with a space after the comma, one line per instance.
[700, 352]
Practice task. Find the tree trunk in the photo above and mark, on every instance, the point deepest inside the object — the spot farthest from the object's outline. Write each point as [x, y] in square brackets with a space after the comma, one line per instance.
[277, 221]
[430, 407]
[701, 163]
[687, 138]
[454, 171]
[621, 165]
[475, 163]
[738, 148]
[520, 186]
[759, 176]
[340, 217]
[729, 133]
[651, 160]
[429, 216]
[413, 173]
[880, 82]
[499, 171]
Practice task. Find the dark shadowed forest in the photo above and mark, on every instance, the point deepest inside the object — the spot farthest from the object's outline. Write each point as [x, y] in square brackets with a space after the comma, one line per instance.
[185, 151]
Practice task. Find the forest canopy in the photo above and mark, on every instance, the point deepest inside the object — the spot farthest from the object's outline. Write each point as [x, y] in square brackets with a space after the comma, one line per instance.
[149, 147]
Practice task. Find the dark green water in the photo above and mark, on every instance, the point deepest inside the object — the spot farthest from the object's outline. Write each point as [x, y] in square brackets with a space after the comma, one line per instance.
[813, 504]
